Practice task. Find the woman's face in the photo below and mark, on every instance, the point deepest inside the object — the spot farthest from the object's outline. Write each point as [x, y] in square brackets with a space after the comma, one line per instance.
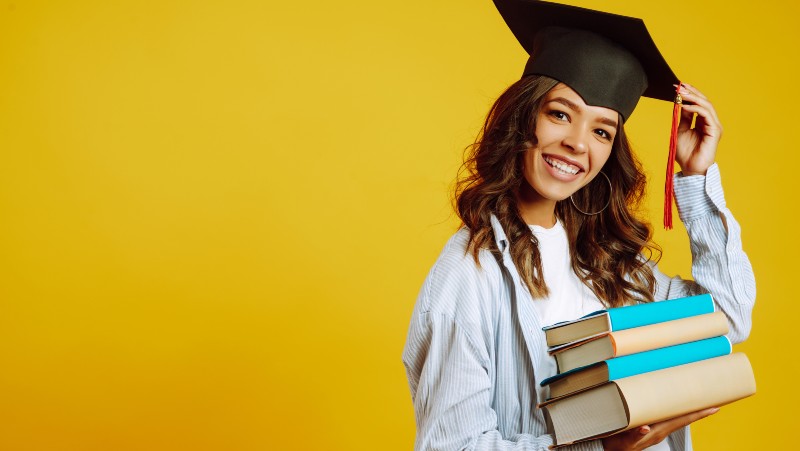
[574, 142]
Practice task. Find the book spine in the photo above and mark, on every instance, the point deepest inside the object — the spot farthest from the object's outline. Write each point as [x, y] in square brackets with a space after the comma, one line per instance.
[658, 359]
[622, 318]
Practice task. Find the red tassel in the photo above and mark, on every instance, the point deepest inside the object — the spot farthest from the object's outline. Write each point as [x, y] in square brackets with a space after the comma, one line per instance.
[673, 143]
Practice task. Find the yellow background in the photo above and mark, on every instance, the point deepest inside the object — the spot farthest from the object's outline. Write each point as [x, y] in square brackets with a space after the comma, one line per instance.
[215, 216]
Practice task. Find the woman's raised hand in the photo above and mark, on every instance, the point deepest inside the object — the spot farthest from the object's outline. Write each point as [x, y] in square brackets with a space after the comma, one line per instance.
[697, 147]
[640, 438]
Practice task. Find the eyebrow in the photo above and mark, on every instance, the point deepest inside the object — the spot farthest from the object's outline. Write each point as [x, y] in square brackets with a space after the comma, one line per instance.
[575, 107]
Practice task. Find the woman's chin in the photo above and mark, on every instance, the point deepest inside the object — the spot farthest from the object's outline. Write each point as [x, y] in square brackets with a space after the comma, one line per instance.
[556, 190]
[558, 197]
[553, 195]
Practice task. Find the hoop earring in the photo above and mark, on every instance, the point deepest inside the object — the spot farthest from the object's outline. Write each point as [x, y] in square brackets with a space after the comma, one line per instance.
[610, 192]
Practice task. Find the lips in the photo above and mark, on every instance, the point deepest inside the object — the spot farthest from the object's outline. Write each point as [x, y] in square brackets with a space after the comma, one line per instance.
[563, 165]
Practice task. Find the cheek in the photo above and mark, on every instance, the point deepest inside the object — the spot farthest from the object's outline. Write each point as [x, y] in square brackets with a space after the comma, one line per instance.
[548, 133]
[600, 158]
[529, 161]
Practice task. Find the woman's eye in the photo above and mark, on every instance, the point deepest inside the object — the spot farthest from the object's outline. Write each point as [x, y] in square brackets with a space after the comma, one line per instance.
[603, 134]
[560, 115]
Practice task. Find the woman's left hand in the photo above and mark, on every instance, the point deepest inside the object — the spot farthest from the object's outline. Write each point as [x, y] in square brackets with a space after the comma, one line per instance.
[697, 147]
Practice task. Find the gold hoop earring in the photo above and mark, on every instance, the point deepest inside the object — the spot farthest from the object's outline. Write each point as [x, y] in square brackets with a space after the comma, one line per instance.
[610, 192]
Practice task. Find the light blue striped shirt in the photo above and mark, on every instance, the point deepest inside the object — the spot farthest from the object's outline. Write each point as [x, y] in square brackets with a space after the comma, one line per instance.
[475, 341]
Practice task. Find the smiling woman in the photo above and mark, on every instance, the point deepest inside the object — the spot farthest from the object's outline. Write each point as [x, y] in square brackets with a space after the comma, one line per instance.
[573, 142]
[539, 119]
[548, 202]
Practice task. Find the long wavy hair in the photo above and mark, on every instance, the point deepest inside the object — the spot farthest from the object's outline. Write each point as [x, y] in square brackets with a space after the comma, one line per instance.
[609, 251]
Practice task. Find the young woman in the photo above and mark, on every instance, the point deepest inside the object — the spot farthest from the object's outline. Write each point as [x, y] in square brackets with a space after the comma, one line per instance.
[550, 233]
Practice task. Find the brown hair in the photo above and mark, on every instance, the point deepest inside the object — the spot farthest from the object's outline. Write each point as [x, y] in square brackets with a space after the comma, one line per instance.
[609, 250]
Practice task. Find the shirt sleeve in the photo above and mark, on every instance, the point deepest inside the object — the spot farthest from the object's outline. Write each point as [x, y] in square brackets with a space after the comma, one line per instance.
[719, 264]
[451, 389]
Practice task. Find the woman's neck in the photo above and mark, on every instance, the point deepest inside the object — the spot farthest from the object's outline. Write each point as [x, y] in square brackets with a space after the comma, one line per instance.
[535, 209]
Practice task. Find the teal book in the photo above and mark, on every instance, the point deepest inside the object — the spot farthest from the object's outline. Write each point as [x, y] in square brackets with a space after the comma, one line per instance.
[630, 365]
[628, 317]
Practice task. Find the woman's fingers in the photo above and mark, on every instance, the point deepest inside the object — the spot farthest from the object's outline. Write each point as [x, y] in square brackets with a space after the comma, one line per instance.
[693, 90]
[673, 424]
[706, 120]
[686, 120]
[657, 432]
[648, 435]
[697, 145]
[694, 96]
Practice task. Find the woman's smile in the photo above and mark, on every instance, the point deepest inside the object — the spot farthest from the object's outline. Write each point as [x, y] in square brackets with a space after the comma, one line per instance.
[562, 168]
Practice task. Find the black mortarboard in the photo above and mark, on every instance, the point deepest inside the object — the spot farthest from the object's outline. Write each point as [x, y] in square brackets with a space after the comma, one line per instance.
[610, 60]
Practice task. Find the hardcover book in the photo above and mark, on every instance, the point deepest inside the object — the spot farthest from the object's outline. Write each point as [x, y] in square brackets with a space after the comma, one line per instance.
[651, 397]
[639, 339]
[631, 365]
[628, 317]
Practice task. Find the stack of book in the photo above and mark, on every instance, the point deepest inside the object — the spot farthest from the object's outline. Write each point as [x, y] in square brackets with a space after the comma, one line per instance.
[625, 367]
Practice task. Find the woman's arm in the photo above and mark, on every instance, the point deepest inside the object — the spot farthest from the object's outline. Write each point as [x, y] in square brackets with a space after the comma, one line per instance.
[719, 265]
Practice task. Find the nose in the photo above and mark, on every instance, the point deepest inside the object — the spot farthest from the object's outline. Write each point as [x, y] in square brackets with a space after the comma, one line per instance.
[577, 139]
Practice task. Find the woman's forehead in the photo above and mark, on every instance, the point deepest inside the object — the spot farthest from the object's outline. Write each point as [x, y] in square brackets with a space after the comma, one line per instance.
[568, 96]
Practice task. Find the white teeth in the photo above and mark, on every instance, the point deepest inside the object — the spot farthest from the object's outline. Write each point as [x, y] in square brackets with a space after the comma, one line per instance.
[561, 166]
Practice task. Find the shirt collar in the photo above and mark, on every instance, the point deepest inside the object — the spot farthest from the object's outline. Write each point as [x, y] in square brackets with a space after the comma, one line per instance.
[499, 234]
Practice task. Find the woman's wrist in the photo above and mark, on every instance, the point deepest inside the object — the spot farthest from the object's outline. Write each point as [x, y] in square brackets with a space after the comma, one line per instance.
[687, 173]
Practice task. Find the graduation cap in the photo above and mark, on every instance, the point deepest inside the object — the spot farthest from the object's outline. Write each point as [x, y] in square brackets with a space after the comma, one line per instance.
[608, 59]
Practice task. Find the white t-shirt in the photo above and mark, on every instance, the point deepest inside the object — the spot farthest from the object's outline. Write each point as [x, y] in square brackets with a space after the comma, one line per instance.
[569, 298]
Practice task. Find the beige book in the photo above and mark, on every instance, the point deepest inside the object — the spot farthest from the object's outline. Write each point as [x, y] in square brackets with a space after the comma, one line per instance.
[639, 339]
[627, 317]
[649, 398]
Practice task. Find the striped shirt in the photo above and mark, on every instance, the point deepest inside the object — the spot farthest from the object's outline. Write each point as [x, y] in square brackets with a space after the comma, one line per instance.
[475, 352]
